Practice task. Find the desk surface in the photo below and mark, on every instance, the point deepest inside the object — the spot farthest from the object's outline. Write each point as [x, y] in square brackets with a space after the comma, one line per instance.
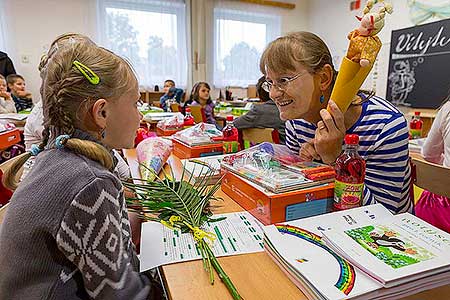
[255, 275]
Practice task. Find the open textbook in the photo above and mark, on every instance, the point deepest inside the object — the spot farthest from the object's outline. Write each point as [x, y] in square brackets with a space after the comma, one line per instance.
[321, 273]
[395, 250]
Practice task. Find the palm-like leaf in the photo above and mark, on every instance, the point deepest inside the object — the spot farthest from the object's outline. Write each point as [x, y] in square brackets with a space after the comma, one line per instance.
[163, 198]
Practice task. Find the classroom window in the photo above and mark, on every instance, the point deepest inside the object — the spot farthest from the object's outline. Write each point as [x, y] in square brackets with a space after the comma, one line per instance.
[150, 34]
[239, 40]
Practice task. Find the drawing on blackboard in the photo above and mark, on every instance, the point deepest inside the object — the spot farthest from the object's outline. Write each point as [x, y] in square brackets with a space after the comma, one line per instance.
[401, 82]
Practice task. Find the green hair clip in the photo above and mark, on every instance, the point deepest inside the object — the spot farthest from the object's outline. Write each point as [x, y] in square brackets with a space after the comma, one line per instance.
[87, 72]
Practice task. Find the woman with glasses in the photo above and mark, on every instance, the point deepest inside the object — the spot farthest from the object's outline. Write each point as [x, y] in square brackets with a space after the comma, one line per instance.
[299, 77]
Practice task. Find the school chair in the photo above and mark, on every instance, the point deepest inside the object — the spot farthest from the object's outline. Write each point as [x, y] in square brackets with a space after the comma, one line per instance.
[431, 177]
[198, 113]
[175, 107]
[252, 136]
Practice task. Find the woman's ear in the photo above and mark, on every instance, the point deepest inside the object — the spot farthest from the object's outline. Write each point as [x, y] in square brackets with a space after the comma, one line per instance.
[99, 113]
[326, 77]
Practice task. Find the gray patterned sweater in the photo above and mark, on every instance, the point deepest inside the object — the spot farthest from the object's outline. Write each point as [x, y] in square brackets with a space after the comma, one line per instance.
[66, 234]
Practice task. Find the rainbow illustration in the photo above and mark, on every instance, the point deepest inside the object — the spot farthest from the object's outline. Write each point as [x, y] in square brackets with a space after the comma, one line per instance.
[347, 276]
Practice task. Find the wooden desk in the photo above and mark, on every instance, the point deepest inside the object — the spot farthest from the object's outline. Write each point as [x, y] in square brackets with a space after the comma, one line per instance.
[255, 275]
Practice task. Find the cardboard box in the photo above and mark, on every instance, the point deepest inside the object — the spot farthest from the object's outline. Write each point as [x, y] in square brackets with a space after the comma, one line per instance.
[184, 151]
[272, 208]
[9, 138]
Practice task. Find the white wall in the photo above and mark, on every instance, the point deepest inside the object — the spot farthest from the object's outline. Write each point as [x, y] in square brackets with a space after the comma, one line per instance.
[333, 20]
[32, 25]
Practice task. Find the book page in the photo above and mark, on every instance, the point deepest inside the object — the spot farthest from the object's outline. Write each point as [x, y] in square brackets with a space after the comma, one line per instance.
[239, 233]
[299, 243]
[392, 251]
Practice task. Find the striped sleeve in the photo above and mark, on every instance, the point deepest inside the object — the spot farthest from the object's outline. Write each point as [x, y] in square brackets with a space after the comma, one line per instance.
[291, 138]
[387, 168]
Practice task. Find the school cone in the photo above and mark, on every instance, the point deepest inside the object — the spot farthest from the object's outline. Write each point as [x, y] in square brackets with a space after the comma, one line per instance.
[349, 80]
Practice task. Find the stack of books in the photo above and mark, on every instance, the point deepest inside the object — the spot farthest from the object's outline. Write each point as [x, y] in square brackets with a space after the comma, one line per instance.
[362, 253]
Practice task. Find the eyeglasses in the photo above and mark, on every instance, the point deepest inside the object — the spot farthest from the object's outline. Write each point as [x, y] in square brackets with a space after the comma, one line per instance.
[282, 84]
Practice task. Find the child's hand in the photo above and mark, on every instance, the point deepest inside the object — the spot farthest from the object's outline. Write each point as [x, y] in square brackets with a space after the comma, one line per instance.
[5, 95]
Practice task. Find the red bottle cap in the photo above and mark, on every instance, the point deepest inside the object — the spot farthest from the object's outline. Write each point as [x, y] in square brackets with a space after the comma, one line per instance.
[188, 109]
[230, 118]
[417, 113]
[351, 139]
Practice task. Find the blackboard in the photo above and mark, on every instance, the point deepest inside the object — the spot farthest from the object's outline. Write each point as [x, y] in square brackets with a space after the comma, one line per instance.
[419, 65]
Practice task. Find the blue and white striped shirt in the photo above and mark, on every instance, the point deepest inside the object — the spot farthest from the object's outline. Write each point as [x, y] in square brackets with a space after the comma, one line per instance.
[383, 143]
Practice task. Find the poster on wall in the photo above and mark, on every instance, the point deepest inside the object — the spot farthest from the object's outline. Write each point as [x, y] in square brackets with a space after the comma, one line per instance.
[419, 62]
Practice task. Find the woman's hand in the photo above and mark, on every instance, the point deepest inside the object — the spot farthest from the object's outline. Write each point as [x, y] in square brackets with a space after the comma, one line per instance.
[330, 133]
[307, 151]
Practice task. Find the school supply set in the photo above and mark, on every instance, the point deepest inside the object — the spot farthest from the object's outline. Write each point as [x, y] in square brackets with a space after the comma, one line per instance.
[303, 247]
[277, 170]
[275, 186]
[202, 139]
[169, 126]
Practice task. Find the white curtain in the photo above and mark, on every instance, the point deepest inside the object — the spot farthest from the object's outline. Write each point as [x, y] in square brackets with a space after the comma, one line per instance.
[2, 27]
[149, 33]
[241, 32]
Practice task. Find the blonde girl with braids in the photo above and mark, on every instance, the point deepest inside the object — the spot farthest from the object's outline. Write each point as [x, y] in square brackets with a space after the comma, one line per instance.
[299, 78]
[66, 234]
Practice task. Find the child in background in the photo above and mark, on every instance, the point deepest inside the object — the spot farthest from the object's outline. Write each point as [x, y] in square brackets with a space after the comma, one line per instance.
[200, 96]
[22, 98]
[77, 226]
[265, 115]
[433, 208]
[6, 100]
[171, 92]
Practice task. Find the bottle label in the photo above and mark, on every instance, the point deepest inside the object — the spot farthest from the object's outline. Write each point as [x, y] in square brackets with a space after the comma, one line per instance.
[230, 147]
[415, 133]
[347, 195]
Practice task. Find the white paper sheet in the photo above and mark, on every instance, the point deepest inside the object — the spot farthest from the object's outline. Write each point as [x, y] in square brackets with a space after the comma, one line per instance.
[239, 233]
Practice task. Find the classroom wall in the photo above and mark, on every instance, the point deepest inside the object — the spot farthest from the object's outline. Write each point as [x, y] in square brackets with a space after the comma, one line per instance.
[333, 20]
[33, 25]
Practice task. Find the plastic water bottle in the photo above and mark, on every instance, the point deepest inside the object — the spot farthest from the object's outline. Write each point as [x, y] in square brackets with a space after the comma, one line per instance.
[415, 126]
[350, 171]
[230, 137]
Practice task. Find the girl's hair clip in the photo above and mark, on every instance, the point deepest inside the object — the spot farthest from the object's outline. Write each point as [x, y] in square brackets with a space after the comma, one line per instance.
[35, 150]
[61, 141]
[87, 72]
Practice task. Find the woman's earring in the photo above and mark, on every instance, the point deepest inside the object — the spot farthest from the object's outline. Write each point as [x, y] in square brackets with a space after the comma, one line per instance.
[103, 133]
[321, 99]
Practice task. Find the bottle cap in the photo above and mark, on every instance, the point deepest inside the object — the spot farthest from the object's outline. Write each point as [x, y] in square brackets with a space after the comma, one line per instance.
[230, 118]
[417, 113]
[188, 109]
[351, 139]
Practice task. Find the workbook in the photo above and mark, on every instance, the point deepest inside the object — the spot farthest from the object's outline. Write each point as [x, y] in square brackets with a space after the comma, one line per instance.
[395, 250]
[298, 248]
